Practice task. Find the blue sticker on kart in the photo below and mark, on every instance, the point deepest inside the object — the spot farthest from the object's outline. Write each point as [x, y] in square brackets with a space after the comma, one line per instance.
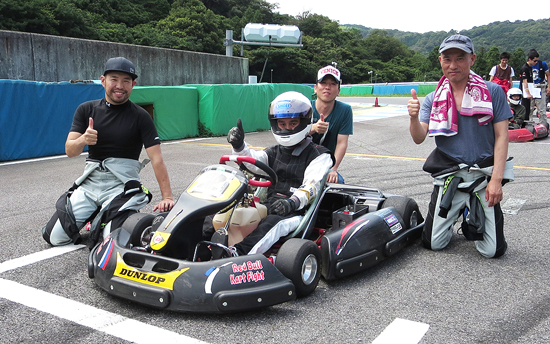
[393, 223]
[391, 220]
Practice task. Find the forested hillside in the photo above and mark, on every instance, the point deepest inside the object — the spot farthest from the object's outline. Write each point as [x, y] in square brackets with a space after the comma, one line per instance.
[363, 54]
[507, 36]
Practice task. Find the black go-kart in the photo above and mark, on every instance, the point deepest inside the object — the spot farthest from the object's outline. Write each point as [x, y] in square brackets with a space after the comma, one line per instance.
[163, 261]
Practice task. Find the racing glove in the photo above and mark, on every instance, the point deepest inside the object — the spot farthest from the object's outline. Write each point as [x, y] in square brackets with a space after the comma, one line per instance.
[236, 136]
[283, 207]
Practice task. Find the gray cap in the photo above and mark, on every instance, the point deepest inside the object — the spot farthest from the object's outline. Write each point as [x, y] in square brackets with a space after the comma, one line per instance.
[461, 42]
[120, 64]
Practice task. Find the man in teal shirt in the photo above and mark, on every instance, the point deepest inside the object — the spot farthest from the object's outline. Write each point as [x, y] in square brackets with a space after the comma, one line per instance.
[333, 119]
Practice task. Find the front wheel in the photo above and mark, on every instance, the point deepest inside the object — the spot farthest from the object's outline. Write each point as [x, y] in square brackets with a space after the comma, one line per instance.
[407, 208]
[300, 261]
[139, 226]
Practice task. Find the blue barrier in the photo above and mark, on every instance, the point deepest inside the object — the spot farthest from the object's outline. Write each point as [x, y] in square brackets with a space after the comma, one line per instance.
[35, 117]
[394, 89]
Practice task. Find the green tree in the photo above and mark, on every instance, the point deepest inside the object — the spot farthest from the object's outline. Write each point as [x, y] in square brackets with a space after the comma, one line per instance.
[381, 46]
[194, 27]
[28, 16]
[481, 66]
[517, 60]
[493, 57]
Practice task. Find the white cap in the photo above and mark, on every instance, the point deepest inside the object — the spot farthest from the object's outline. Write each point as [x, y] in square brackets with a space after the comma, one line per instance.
[328, 70]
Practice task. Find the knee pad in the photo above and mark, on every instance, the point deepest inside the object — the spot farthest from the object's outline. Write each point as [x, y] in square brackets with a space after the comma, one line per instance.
[54, 234]
[47, 229]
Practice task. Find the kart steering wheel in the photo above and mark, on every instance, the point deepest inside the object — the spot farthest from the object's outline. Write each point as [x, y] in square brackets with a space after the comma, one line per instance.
[239, 159]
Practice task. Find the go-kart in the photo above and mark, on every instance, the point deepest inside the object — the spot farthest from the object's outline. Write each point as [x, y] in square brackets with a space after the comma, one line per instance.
[531, 131]
[163, 261]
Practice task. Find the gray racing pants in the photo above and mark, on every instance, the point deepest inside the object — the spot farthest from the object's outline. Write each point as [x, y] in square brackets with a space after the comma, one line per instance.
[540, 104]
[438, 228]
[107, 193]
[98, 190]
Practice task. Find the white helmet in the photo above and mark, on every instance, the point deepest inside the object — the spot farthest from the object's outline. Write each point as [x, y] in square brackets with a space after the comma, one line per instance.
[290, 105]
[514, 92]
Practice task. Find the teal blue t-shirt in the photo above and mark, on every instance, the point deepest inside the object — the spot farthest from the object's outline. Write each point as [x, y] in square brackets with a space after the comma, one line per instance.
[340, 123]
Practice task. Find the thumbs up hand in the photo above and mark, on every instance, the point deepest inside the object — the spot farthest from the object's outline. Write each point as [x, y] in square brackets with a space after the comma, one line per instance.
[90, 136]
[236, 136]
[413, 105]
[321, 126]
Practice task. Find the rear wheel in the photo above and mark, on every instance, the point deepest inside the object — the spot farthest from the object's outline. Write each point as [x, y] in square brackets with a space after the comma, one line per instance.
[407, 208]
[300, 261]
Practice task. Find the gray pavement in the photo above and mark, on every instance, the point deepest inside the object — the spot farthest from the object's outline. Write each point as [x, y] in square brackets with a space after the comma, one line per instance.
[463, 297]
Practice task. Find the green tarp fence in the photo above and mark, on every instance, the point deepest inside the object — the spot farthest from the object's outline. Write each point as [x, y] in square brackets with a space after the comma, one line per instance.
[381, 89]
[425, 89]
[175, 109]
[356, 90]
[221, 105]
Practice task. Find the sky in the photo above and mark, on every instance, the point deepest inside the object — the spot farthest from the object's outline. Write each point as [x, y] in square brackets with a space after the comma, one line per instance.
[422, 16]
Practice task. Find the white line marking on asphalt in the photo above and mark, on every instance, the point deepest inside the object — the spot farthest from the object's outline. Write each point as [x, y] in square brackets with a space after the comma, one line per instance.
[403, 332]
[512, 206]
[37, 256]
[18, 162]
[97, 319]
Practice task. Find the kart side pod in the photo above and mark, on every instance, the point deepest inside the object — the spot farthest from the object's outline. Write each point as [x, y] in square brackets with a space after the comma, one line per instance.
[364, 243]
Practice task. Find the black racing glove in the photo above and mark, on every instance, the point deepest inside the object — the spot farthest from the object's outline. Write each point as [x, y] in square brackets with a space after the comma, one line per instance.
[283, 207]
[236, 136]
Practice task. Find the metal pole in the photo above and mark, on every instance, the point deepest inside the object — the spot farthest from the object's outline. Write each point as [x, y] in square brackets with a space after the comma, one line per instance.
[263, 70]
[228, 42]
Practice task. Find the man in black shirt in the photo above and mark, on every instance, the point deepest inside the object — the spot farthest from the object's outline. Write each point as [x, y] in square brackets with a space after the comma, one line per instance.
[115, 130]
[525, 78]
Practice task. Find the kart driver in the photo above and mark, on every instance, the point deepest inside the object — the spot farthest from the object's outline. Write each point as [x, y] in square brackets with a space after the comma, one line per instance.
[518, 110]
[115, 130]
[299, 163]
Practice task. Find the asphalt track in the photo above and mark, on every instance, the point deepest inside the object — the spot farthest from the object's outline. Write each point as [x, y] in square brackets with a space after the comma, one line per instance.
[417, 296]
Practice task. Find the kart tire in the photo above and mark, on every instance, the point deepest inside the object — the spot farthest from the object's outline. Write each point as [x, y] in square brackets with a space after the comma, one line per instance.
[407, 208]
[299, 260]
[531, 128]
[136, 224]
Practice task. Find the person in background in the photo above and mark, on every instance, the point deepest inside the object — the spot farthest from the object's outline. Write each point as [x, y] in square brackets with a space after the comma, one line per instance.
[526, 80]
[518, 110]
[540, 80]
[502, 74]
[333, 120]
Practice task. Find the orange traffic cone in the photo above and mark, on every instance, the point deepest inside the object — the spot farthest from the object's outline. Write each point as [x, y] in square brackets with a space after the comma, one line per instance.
[376, 102]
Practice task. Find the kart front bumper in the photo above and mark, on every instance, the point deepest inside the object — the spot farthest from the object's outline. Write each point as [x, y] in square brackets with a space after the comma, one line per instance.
[218, 286]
